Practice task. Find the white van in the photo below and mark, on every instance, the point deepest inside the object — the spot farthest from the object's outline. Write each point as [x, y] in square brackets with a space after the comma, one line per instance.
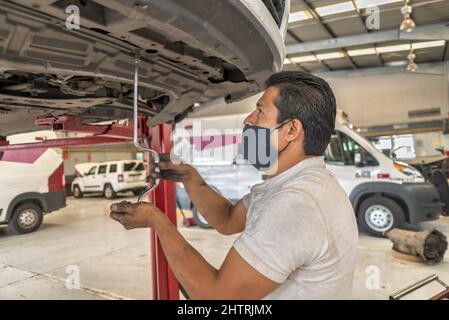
[385, 193]
[31, 183]
[110, 178]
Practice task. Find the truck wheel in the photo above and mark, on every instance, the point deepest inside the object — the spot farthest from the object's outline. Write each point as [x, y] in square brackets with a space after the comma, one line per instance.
[26, 218]
[109, 192]
[199, 219]
[77, 192]
[378, 215]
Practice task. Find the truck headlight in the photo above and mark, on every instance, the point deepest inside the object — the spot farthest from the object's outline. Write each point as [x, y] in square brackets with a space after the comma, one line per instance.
[407, 169]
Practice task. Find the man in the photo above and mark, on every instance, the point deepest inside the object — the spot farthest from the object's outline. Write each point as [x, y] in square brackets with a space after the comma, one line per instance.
[299, 232]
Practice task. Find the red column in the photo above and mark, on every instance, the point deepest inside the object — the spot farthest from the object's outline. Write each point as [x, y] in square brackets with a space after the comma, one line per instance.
[165, 284]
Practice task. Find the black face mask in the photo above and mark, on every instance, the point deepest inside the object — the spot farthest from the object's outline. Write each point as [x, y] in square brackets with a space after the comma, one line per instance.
[257, 147]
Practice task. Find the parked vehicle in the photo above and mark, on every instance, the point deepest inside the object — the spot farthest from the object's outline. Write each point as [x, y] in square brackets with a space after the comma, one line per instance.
[110, 178]
[31, 184]
[384, 192]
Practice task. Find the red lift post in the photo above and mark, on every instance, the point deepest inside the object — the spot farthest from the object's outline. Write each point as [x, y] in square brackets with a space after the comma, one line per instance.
[165, 284]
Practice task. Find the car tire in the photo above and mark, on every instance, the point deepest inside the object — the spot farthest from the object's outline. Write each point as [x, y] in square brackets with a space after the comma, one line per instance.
[199, 219]
[77, 193]
[109, 192]
[378, 215]
[26, 218]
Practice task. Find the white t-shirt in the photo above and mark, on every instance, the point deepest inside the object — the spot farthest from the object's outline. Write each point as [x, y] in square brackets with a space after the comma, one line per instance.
[301, 232]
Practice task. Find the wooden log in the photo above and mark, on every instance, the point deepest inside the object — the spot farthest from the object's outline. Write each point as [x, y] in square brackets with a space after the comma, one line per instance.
[430, 245]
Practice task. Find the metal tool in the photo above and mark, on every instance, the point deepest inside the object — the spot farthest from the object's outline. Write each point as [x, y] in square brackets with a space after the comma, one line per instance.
[442, 295]
[151, 152]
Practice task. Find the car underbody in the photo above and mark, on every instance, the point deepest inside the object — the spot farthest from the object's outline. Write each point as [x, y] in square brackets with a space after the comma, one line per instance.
[189, 51]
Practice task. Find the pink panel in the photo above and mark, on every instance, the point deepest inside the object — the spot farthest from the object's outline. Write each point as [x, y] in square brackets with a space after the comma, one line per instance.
[23, 155]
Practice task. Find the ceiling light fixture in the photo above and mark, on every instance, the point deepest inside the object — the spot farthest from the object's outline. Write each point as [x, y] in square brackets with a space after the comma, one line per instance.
[412, 66]
[407, 24]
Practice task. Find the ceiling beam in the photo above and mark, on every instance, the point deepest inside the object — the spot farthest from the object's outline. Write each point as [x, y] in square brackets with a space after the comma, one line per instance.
[427, 33]
[440, 69]
[329, 31]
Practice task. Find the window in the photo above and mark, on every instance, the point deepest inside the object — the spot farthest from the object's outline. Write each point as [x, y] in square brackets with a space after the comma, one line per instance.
[350, 148]
[113, 168]
[342, 150]
[333, 153]
[92, 170]
[133, 166]
[102, 169]
[402, 146]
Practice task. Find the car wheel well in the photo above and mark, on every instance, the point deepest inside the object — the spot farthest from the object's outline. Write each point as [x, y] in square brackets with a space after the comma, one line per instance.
[26, 201]
[393, 197]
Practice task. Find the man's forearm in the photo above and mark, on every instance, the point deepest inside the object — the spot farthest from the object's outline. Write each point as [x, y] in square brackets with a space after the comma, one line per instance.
[215, 208]
[194, 273]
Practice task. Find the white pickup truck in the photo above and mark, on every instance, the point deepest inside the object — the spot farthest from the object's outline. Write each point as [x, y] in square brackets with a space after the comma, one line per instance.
[31, 184]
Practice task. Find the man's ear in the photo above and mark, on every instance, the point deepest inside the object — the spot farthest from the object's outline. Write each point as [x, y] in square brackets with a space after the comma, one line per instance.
[295, 131]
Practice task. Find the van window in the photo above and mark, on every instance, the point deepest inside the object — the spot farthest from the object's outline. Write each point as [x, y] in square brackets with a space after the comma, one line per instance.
[350, 148]
[102, 169]
[342, 149]
[334, 153]
[92, 170]
[112, 168]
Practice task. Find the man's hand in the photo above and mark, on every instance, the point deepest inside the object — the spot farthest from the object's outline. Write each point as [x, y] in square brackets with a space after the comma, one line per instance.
[174, 172]
[135, 215]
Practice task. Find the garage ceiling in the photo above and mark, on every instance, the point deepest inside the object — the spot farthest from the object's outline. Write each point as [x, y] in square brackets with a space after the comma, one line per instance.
[325, 41]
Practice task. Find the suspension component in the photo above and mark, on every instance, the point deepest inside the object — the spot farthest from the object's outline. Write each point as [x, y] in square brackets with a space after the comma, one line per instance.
[151, 152]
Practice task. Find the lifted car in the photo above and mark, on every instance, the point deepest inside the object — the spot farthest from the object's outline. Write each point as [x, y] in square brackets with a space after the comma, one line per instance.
[190, 53]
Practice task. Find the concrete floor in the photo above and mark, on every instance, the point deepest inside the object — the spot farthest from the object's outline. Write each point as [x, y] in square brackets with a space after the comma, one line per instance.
[115, 263]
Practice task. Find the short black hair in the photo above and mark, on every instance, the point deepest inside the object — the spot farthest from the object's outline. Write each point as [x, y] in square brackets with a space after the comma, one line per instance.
[309, 99]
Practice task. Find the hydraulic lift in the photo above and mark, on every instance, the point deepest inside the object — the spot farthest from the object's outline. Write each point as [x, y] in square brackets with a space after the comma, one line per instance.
[151, 141]
[165, 285]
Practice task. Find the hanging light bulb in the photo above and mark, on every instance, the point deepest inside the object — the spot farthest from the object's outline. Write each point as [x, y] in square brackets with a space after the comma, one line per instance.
[412, 66]
[408, 24]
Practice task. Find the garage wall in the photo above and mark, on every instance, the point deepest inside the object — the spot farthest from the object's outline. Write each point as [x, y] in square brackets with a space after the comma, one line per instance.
[74, 156]
[378, 100]
[372, 97]
[425, 143]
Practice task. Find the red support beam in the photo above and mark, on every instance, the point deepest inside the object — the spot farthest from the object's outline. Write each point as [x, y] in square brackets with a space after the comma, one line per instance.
[65, 142]
[76, 124]
[165, 284]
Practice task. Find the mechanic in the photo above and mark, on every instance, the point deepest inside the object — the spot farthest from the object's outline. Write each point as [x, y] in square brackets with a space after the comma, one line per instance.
[298, 229]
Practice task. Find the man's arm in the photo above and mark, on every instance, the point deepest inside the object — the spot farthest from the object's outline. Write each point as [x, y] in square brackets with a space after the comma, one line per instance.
[235, 279]
[219, 212]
